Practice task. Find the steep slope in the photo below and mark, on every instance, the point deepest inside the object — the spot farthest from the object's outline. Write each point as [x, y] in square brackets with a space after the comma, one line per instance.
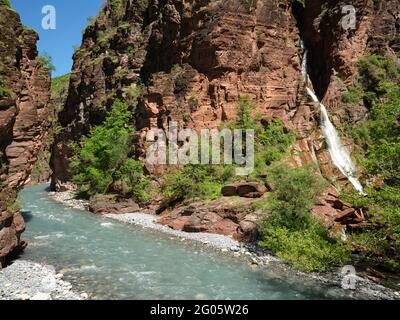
[24, 95]
[193, 60]
[41, 171]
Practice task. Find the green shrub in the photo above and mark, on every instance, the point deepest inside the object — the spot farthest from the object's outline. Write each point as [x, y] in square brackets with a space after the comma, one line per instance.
[195, 181]
[7, 3]
[272, 142]
[295, 192]
[289, 230]
[117, 8]
[12, 205]
[307, 250]
[276, 141]
[46, 61]
[4, 91]
[59, 84]
[193, 103]
[374, 69]
[353, 95]
[381, 242]
[103, 162]
[379, 136]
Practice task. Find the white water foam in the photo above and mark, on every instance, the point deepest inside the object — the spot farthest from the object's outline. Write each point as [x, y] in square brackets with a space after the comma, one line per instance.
[339, 155]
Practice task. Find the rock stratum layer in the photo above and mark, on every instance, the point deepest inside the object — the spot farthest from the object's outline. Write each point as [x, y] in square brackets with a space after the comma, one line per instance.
[24, 95]
[196, 58]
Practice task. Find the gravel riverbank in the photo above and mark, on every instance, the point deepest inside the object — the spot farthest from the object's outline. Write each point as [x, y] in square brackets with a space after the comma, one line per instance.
[27, 280]
[251, 254]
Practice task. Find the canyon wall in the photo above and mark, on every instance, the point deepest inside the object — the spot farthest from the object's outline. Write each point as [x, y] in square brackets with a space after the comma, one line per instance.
[24, 95]
[194, 59]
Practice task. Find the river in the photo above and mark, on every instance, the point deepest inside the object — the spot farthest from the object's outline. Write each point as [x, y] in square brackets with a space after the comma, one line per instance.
[111, 260]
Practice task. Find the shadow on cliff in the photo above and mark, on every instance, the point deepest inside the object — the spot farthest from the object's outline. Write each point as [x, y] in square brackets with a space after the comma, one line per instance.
[27, 215]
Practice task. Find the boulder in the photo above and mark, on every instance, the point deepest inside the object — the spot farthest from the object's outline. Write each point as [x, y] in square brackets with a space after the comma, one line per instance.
[107, 204]
[251, 190]
[229, 190]
[244, 189]
[247, 232]
[227, 216]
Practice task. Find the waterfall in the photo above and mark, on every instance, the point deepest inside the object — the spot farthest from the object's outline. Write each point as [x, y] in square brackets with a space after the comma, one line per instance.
[339, 155]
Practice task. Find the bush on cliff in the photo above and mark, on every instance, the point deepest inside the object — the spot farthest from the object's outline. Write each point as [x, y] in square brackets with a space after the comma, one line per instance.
[103, 163]
[205, 181]
[46, 61]
[290, 231]
[196, 181]
[379, 136]
[272, 141]
[4, 91]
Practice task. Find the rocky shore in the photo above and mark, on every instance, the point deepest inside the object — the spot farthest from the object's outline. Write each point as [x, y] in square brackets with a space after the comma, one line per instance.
[27, 280]
[249, 253]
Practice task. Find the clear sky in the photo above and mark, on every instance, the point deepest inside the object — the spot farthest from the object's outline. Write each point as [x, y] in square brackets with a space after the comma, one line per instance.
[71, 19]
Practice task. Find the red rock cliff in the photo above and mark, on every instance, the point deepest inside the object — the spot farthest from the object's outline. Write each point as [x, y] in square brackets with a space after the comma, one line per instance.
[24, 95]
[197, 57]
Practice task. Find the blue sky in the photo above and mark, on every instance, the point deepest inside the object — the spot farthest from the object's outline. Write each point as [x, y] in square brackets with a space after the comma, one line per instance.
[71, 19]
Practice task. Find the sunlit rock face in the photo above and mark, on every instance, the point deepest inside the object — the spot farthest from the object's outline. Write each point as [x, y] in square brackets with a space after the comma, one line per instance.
[194, 59]
[23, 119]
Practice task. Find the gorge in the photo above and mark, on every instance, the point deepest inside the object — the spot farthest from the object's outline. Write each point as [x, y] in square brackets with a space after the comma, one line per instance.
[322, 101]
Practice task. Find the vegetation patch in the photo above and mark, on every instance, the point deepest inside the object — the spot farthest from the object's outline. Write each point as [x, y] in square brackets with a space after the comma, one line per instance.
[379, 137]
[104, 164]
[289, 230]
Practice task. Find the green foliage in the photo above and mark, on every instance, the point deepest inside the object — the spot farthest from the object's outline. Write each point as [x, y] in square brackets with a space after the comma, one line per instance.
[276, 141]
[193, 103]
[205, 181]
[293, 197]
[59, 84]
[46, 61]
[272, 142]
[307, 250]
[353, 95]
[379, 136]
[7, 3]
[381, 242]
[12, 205]
[4, 91]
[244, 118]
[116, 7]
[195, 181]
[374, 69]
[289, 230]
[103, 163]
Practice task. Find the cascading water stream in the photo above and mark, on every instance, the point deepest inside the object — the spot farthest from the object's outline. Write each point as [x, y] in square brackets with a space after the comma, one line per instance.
[339, 155]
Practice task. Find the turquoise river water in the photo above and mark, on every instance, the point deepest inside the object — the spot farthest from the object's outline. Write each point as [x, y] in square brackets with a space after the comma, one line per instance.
[111, 260]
